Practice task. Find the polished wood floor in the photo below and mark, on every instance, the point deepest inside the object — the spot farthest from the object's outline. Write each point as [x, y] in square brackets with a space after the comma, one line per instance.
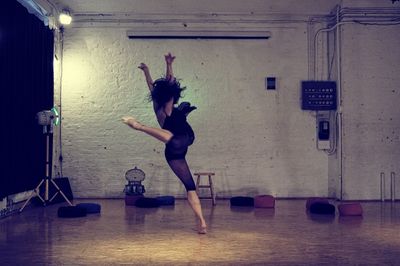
[165, 236]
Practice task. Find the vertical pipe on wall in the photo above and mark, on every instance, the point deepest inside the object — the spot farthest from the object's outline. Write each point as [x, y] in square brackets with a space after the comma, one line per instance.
[393, 186]
[58, 65]
[311, 73]
[336, 27]
[339, 91]
[60, 158]
[340, 16]
[382, 186]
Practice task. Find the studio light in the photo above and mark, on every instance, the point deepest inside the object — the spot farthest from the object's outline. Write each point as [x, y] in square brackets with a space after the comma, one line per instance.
[65, 17]
[48, 117]
[45, 118]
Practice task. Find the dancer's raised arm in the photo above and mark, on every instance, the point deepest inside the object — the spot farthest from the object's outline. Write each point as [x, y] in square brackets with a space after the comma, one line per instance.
[169, 59]
[147, 75]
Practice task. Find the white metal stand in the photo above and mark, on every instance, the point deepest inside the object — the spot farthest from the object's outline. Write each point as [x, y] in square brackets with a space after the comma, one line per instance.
[47, 180]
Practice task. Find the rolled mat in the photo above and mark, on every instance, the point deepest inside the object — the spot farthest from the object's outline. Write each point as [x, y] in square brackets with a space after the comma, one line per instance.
[264, 201]
[350, 209]
[71, 212]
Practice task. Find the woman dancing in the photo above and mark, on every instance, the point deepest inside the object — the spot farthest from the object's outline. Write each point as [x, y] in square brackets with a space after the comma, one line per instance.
[175, 131]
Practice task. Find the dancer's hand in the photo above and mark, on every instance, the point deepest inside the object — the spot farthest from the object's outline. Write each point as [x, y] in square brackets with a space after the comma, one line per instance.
[146, 72]
[131, 121]
[169, 58]
[143, 67]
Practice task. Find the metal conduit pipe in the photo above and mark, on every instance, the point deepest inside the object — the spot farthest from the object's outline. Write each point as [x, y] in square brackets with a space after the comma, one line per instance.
[337, 25]
[383, 186]
[339, 91]
[393, 186]
[339, 22]
[369, 9]
[341, 14]
[325, 30]
[352, 13]
[383, 13]
[372, 18]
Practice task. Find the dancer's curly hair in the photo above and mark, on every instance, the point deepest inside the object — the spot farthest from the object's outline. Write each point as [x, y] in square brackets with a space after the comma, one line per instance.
[164, 90]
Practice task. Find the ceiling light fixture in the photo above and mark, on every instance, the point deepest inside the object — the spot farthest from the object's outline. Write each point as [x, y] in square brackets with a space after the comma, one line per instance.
[65, 17]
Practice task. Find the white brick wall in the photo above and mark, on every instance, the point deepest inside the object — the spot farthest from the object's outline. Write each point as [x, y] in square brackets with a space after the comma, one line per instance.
[371, 96]
[256, 141]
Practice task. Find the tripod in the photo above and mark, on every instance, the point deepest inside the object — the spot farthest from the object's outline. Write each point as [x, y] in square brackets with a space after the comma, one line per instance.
[47, 181]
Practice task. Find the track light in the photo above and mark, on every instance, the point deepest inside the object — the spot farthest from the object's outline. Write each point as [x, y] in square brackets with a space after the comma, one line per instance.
[196, 34]
[65, 17]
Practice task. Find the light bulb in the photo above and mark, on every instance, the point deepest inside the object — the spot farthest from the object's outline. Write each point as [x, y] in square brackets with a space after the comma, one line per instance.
[65, 18]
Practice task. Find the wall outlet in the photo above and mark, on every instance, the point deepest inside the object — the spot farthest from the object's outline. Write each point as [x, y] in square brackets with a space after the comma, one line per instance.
[270, 83]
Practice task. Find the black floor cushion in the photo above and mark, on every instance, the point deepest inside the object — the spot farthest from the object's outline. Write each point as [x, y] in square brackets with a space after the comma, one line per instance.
[90, 207]
[130, 200]
[242, 201]
[147, 203]
[166, 200]
[322, 208]
[71, 212]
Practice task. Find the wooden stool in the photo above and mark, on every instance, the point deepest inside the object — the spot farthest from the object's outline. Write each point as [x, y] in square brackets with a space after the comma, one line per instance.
[210, 185]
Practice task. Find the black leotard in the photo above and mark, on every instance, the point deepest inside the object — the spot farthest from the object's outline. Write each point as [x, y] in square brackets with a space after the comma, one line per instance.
[177, 146]
[183, 137]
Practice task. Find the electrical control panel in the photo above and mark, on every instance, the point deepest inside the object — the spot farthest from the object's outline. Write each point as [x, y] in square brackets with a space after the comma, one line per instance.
[318, 95]
[323, 130]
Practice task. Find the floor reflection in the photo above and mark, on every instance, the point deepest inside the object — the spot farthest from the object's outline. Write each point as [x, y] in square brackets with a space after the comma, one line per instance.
[286, 235]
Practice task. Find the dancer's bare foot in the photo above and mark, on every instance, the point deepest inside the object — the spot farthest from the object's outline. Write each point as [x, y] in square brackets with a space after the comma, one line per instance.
[132, 122]
[202, 229]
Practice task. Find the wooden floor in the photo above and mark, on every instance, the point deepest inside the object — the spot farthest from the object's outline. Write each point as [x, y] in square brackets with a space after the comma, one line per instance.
[165, 236]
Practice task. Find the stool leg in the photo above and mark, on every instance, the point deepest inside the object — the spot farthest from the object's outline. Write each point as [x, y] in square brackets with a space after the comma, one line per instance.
[211, 189]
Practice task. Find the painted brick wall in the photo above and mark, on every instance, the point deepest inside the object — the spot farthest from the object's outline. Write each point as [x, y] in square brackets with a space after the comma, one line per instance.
[371, 121]
[256, 141]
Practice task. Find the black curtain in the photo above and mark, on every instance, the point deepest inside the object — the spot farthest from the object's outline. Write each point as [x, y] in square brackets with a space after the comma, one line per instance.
[26, 61]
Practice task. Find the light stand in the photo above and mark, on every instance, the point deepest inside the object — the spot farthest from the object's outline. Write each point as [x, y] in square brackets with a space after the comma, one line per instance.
[46, 119]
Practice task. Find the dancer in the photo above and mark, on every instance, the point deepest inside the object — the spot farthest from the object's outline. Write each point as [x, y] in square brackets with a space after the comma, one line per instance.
[175, 131]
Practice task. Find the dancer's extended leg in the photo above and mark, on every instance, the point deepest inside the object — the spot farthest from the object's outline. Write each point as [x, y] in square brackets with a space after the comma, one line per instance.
[179, 166]
[194, 202]
[159, 133]
[181, 169]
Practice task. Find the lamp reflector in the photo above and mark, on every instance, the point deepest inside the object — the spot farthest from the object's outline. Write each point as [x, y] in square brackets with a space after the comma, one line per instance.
[65, 18]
